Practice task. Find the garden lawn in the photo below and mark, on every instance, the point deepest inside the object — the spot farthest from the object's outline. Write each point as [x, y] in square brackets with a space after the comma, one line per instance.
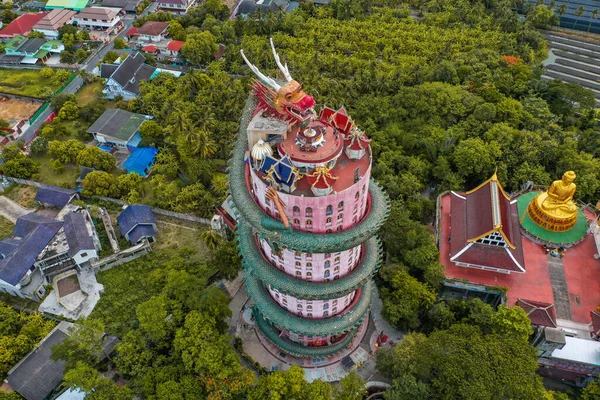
[49, 177]
[174, 234]
[6, 228]
[24, 195]
[27, 83]
[86, 94]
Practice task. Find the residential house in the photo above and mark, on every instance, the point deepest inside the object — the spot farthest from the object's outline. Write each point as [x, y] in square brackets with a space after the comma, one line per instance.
[174, 47]
[53, 21]
[119, 129]
[124, 80]
[53, 196]
[76, 5]
[248, 7]
[152, 31]
[22, 50]
[137, 223]
[103, 19]
[127, 6]
[42, 247]
[177, 7]
[37, 376]
[22, 25]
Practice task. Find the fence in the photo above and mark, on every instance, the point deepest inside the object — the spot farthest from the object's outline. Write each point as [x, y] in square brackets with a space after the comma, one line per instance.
[122, 257]
[160, 211]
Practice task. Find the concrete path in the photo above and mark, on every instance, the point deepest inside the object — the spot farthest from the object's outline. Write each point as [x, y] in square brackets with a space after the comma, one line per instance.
[12, 210]
[382, 326]
[559, 287]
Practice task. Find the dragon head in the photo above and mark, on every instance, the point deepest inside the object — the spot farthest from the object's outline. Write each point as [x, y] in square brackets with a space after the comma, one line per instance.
[289, 100]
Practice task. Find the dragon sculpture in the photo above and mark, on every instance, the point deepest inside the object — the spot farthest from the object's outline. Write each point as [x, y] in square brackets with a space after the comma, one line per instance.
[288, 101]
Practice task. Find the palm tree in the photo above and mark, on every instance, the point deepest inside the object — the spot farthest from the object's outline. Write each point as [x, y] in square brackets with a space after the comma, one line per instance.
[594, 16]
[203, 144]
[211, 239]
[561, 11]
[579, 13]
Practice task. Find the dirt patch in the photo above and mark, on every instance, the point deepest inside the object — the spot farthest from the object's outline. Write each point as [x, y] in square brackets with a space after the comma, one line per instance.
[24, 195]
[67, 285]
[16, 110]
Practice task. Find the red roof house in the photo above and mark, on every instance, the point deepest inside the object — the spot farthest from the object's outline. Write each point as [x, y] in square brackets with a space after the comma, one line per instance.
[484, 229]
[150, 49]
[132, 32]
[174, 46]
[23, 25]
[540, 313]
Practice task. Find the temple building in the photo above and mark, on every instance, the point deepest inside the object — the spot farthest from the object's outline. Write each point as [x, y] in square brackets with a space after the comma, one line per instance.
[485, 230]
[307, 212]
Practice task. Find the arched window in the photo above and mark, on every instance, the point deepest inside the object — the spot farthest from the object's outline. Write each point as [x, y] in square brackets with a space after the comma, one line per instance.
[269, 212]
[336, 268]
[339, 228]
[327, 264]
[298, 273]
[309, 307]
[298, 263]
[296, 210]
[299, 306]
[336, 277]
[284, 300]
[326, 313]
[340, 206]
[329, 210]
[363, 189]
[296, 221]
[354, 219]
[328, 231]
[308, 211]
[334, 302]
[328, 221]
[308, 265]
[309, 314]
[308, 222]
[340, 216]
[326, 274]
[334, 310]
[309, 274]
[325, 306]
[356, 196]
[337, 259]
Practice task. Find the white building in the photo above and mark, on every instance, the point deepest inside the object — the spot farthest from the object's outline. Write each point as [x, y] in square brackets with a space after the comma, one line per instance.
[104, 19]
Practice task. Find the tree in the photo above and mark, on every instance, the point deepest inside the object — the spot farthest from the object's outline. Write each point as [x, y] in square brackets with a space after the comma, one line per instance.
[39, 145]
[20, 167]
[69, 41]
[59, 100]
[47, 73]
[130, 187]
[287, 385]
[83, 35]
[200, 48]
[12, 150]
[110, 57]
[352, 387]
[62, 76]
[35, 35]
[119, 43]
[475, 159]
[405, 298]
[67, 29]
[152, 133]
[93, 157]
[69, 111]
[65, 152]
[100, 183]
[176, 31]
[591, 391]
[461, 362]
[92, 111]
[226, 260]
[88, 380]
[152, 315]
[84, 344]
[512, 322]
[211, 238]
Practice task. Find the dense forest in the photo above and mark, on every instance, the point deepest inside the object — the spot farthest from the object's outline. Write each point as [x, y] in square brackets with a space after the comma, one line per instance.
[448, 91]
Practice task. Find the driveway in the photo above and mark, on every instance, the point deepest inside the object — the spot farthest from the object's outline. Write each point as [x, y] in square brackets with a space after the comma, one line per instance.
[11, 210]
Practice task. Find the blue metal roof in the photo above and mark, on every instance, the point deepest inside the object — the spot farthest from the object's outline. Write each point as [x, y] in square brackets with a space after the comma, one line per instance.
[14, 267]
[134, 215]
[269, 162]
[282, 170]
[26, 224]
[56, 196]
[7, 246]
[78, 237]
[140, 232]
[140, 160]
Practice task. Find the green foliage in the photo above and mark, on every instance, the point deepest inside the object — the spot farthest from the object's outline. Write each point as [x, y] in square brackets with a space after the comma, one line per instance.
[69, 111]
[19, 333]
[100, 183]
[39, 145]
[67, 29]
[87, 379]
[352, 387]
[289, 385]
[199, 48]
[119, 43]
[110, 57]
[225, 259]
[461, 362]
[152, 133]
[93, 157]
[59, 100]
[47, 73]
[20, 167]
[591, 391]
[130, 187]
[35, 35]
[84, 344]
[12, 150]
[65, 151]
[176, 31]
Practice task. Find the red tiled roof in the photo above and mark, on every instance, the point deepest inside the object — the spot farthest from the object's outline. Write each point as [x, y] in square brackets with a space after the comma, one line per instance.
[133, 31]
[22, 25]
[149, 49]
[175, 45]
[153, 28]
[595, 322]
[464, 216]
[540, 313]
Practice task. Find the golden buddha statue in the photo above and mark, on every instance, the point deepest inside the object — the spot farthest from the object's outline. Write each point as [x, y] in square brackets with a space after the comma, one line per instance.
[555, 209]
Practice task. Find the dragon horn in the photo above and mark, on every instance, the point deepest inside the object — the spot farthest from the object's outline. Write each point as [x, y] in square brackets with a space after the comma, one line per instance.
[283, 68]
[264, 79]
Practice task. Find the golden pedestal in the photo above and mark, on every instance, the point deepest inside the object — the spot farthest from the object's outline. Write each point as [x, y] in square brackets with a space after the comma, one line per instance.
[549, 222]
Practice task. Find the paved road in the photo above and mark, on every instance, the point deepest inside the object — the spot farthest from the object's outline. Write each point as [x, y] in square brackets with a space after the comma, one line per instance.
[11, 210]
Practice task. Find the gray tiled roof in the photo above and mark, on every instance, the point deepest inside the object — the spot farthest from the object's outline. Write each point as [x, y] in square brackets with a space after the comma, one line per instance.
[36, 375]
[106, 70]
[27, 223]
[78, 237]
[32, 45]
[132, 71]
[116, 123]
[54, 195]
